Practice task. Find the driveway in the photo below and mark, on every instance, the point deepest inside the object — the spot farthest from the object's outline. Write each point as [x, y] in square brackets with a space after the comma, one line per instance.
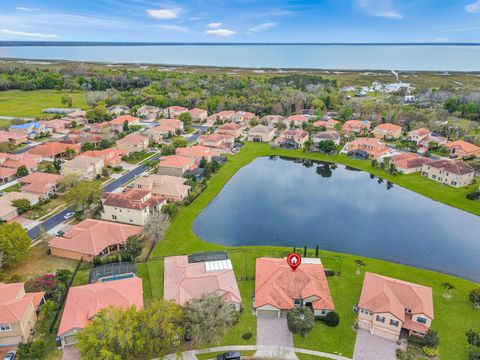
[71, 353]
[372, 347]
[273, 332]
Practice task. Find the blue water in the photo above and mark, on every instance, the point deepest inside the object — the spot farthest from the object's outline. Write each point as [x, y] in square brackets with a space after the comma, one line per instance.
[353, 57]
[281, 202]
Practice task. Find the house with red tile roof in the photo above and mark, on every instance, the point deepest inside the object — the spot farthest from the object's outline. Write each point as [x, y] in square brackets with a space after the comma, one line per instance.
[279, 289]
[133, 142]
[373, 148]
[172, 188]
[18, 313]
[387, 131]
[455, 173]
[297, 120]
[12, 137]
[198, 152]
[222, 116]
[149, 113]
[423, 137]
[83, 167]
[185, 281]
[329, 124]
[175, 165]
[7, 210]
[110, 156]
[292, 139]
[243, 117]
[222, 142]
[41, 184]
[161, 132]
[175, 123]
[53, 149]
[100, 128]
[418, 135]
[117, 123]
[55, 125]
[82, 137]
[174, 112]
[356, 127]
[409, 163]
[272, 120]
[84, 302]
[461, 149]
[133, 206]
[261, 133]
[78, 117]
[389, 305]
[92, 238]
[198, 115]
[14, 161]
[330, 135]
[7, 174]
[231, 129]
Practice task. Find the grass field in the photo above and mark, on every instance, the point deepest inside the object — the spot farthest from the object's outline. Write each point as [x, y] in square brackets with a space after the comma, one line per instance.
[30, 104]
[452, 317]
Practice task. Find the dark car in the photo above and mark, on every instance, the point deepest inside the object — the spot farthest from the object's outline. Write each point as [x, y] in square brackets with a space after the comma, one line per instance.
[11, 355]
[229, 356]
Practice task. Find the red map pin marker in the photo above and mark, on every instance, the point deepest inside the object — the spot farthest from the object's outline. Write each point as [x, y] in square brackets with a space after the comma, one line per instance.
[294, 260]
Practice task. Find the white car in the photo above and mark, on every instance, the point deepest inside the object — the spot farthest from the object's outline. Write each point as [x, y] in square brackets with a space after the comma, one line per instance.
[69, 215]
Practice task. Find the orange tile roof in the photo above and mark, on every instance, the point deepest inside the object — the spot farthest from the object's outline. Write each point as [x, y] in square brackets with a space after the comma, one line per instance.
[388, 127]
[84, 302]
[381, 294]
[297, 118]
[178, 108]
[320, 123]
[278, 285]
[6, 172]
[175, 161]
[91, 236]
[53, 148]
[132, 199]
[421, 131]
[230, 126]
[465, 146]
[409, 160]
[177, 124]
[197, 151]
[121, 119]
[131, 139]
[197, 111]
[13, 306]
[39, 182]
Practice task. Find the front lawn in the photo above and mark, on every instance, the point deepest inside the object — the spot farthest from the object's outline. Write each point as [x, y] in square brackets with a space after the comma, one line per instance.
[452, 317]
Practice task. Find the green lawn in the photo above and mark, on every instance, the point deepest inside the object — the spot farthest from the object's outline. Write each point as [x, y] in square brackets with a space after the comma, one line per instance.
[31, 103]
[452, 317]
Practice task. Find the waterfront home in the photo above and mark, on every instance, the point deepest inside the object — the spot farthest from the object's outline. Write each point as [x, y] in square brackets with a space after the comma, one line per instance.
[110, 156]
[172, 188]
[51, 149]
[261, 133]
[272, 120]
[389, 305]
[117, 124]
[387, 131]
[161, 132]
[55, 125]
[231, 129]
[174, 112]
[177, 124]
[455, 173]
[149, 113]
[462, 149]
[7, 174]
[175, 165]
[83, 167]
[329, 124]
[296, 121]
[409, 163]
[374, 148]
[91, 238]
[12, 137]
[133, 142]
[326, 135]
[222, 142]
[243, 117]
[187, 278]
[198, 152]
[279, 289]
[356, 127]
[30, 129]
[14, 161]
[292, 139]
[84, 302]
[198, 115]
[18, 313]
[118, 110]
[41, 184]
[133, 206]
[7, 210]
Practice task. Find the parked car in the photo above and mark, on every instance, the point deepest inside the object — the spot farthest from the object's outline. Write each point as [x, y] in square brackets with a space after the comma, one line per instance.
[60, 233]
[11, 355]
[229, 356]
[69, 215]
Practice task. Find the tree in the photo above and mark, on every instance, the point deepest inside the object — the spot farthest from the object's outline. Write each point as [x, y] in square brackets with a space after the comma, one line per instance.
[132, 249]
[179, 141]
[22, 171]
[98, 114]
[67, 100]
[359, 264]
[305, 251]
[203, 163]
[57, 164]
[162, 326]
[447, 287]
[14, 244]
[84, 194]
[326, 146]
[88, 146]
[70, 153]
[317, 251]
[186, 118]
[22, 205]
[125, 126]
[32, 350]
[156, 226]
[170, 209]
[300, 320]
[209, 318]
[473, 338]
[432, 339]
[113, 334]
[474, 296]
[332, 319]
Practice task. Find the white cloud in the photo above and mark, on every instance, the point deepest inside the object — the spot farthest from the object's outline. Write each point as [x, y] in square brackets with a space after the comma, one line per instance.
[215, 25]
[174, 28]
[21, 8]
[379, 8]
[165, 14]
[262, 27]
[220, 32]
[27, 34]
[473, 7]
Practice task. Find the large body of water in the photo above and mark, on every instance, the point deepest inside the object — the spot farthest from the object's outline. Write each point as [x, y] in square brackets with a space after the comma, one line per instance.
[352, 57]
[275, 201]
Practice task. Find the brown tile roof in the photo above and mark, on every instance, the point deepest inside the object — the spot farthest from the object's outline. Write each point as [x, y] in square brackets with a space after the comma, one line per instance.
[131, 199]
[455, 167]
[465, 146]
[53, 148]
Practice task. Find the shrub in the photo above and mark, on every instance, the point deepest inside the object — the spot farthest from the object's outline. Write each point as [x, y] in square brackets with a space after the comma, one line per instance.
[431, 339]
[475, 296]
[474, 355]
[300, 320]
[430, 351]
[329, 272]
[332, 319]
[247, 335]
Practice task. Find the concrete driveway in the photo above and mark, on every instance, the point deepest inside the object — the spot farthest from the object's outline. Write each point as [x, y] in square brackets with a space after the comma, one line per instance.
[372, 347]
[273, 332]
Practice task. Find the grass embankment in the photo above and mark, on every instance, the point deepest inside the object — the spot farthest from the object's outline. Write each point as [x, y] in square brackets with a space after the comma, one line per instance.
[30, 104]
[452, 317]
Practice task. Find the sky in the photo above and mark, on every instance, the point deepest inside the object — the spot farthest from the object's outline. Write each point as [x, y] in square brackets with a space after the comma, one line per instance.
[241, 20]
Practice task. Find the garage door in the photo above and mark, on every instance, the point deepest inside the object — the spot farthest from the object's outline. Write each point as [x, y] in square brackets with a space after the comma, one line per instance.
[267, 313]
[385, 334]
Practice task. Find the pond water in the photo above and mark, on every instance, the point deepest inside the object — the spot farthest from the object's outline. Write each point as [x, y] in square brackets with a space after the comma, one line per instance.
[278, 201]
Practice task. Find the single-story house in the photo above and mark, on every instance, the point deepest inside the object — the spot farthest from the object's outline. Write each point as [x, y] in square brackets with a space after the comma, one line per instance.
[222, 116]
[455, 173]
[175, 123]
[170, 187]
[7, 210]
[261, 133]
[53, 149]
[243, 117]
[7, 174]
[461, 149]
[41, 184]
[14, 161]
[175, 165]
[12, 137]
